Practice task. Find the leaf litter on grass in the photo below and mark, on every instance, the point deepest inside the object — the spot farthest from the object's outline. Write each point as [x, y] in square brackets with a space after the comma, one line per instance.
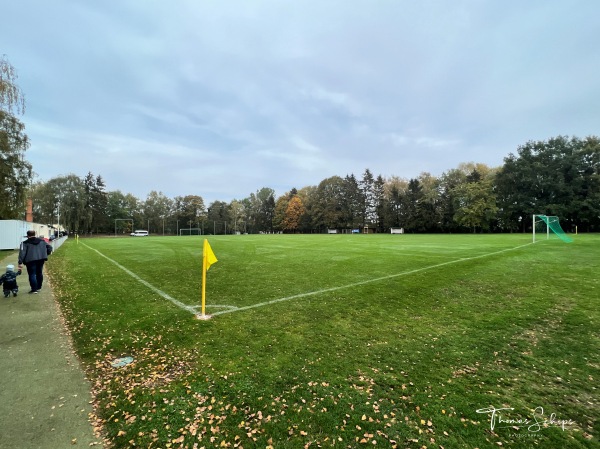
[174, 396]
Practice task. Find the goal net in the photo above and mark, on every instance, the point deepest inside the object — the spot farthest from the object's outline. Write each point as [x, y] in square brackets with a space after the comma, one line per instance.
[548, 225]
[190, 231]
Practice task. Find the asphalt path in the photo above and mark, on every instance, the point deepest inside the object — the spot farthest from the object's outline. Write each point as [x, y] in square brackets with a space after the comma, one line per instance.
[45, 400]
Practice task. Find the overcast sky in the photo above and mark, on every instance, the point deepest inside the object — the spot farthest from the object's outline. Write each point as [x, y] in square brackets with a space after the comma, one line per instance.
[222, 98]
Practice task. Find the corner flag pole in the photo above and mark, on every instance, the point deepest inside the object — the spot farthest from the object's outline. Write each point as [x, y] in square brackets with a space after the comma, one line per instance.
[208, 258]
[204, 279]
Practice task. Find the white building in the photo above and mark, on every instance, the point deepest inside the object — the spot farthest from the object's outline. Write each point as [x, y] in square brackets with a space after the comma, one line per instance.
[13, 232]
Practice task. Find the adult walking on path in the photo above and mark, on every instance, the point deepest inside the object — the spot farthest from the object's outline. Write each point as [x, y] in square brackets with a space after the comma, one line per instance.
[34, 253]
[44, 395]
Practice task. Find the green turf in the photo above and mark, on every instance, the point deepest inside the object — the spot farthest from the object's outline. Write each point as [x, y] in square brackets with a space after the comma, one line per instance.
[339, 340]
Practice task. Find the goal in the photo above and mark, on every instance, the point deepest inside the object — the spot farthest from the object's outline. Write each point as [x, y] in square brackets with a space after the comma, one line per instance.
[548, 225]
[190, 231]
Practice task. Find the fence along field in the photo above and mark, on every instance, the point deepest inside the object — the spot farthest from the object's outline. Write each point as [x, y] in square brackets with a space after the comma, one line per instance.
[389, 340]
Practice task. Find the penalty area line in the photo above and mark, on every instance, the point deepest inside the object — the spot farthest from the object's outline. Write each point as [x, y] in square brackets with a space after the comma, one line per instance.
[179, 304]
[368, 281]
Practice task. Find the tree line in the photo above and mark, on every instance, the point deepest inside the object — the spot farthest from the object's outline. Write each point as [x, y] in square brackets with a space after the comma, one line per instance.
[559, 176]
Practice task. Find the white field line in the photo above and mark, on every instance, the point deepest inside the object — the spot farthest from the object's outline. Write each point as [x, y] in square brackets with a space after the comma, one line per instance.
[231, 309]
[179, 304]
[368, 281]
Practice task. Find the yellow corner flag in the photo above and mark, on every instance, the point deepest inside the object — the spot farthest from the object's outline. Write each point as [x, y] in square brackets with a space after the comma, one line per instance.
[208, 258]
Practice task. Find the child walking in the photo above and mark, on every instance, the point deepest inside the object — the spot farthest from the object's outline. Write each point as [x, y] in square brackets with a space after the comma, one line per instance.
[9, 281]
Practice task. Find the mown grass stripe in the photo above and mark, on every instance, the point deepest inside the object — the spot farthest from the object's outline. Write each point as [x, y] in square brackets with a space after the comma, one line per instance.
[368, 281]
[179, 304]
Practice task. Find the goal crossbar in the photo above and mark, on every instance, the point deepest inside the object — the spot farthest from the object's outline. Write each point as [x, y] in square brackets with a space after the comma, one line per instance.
[190, 231]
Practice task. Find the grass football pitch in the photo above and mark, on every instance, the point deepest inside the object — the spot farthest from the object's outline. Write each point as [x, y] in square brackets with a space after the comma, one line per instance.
[424, 341]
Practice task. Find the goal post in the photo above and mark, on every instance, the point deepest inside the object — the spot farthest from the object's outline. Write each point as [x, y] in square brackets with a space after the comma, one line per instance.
[123, 219]
[549, 225]
[190, 231]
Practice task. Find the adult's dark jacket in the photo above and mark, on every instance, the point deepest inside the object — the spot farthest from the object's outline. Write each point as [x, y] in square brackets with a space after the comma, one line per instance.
[34, 249]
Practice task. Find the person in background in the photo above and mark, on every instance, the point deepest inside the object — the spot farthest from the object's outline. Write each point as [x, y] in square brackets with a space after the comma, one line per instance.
[9, 281]
[33, 253]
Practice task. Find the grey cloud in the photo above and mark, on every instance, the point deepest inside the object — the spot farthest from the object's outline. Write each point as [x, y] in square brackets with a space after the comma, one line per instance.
[221, 99]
